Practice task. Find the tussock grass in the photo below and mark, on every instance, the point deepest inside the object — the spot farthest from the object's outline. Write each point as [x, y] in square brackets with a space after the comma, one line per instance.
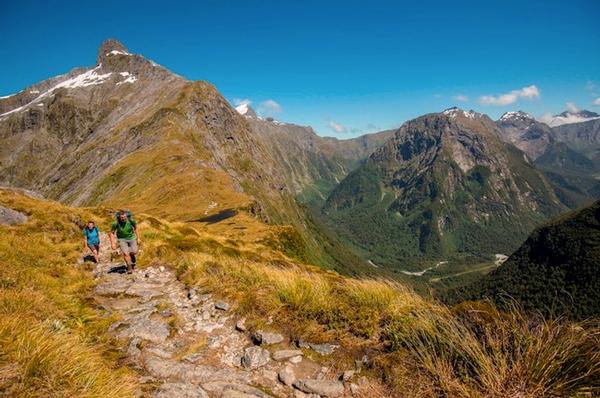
[419, 347]
[51, 340]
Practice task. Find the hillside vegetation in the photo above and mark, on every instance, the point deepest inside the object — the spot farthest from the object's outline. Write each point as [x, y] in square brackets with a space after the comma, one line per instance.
[554, 272]
[418, 347]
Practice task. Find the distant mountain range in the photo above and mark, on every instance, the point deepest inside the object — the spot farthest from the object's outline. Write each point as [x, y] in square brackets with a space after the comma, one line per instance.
[445, 186]
[569, 154]
[450, 185]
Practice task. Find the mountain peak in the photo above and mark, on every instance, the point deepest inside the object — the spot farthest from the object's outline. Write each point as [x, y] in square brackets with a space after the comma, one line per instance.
[110, 47]
[454, 112]
[569, 117]
[516, 116]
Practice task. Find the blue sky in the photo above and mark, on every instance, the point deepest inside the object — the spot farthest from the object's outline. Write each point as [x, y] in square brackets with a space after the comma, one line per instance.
[344, 68]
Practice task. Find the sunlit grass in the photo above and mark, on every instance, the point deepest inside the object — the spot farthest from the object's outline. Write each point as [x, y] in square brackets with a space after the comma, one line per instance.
[52, 342]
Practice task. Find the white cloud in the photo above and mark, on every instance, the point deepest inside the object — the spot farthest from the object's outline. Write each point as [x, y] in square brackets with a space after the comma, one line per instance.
[597, 101]
[461, 98]
[437, 95]
[269, 107]
[571, 107]
[546, 118]
[241, 101]
[337, 127]
[529, 93]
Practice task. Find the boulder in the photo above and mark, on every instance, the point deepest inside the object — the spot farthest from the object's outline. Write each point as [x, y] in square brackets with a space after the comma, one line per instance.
[254, 357]
[283, 355]
[267, 338]
[180, 390]
[325, 388]
[287, 376]
[221, 305]
[11, 217]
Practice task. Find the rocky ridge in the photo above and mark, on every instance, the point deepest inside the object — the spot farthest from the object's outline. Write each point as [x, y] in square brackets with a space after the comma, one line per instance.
[185, 343]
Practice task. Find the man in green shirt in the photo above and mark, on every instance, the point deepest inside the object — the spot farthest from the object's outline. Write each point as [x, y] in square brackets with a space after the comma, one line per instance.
[126, 232]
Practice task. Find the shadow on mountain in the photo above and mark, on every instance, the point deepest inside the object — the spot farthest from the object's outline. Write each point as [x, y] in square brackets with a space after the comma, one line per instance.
[218, 217]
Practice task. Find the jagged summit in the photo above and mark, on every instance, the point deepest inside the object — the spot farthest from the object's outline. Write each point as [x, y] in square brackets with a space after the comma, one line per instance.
[516, 116]
[455, 111]
[110, 47]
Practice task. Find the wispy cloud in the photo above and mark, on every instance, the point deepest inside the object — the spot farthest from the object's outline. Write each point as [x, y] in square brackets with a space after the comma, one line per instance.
[529, 93]
[571, 107]
[546, 118]
[597, 101]
[437, 95]
[269, 107]
[241, 101]
[337, 127]
[461, 98]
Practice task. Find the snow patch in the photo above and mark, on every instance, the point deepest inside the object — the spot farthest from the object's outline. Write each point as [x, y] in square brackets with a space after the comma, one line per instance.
[85, 79]
[454, 112]
[129, 78]
[117, 52]
[242, 109]
[516, 115]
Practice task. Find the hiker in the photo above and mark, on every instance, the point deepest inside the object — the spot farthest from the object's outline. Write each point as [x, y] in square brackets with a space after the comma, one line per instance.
[92, 239]
[126, 231]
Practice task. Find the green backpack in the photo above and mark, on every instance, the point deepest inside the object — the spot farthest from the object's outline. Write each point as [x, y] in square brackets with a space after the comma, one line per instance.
[127, 212]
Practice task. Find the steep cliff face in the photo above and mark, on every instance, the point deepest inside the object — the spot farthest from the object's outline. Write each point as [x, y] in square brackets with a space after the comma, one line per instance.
[312, 165]
[445, 185]
[523, 131]
[130, 131]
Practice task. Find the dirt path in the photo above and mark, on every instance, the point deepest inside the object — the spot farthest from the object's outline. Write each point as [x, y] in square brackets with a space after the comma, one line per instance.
[186, 344]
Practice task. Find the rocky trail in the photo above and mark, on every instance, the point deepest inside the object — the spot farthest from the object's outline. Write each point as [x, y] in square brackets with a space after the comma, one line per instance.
[186, 344]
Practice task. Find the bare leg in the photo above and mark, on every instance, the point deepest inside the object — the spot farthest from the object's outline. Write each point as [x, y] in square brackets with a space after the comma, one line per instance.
[95, 253]
[127, 259]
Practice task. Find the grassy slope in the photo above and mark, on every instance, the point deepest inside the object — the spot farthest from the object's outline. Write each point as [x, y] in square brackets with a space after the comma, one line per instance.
[52, 341]
[417, 346]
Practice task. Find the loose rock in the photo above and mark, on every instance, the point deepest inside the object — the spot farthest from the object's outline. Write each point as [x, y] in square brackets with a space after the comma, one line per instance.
[347, 375]
[287, 376]
[326, 388]
[180, 390]
[11, 217]
[282, 355]
[255, 357]
[221, 305]
[267, 338]
[240, 325]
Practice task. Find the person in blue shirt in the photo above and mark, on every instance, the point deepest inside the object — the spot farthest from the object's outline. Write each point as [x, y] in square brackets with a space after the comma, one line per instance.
[92, 239]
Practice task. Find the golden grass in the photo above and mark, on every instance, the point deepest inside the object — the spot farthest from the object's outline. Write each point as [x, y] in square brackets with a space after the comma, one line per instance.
[418, 347]
[52, 342]
[471, 351]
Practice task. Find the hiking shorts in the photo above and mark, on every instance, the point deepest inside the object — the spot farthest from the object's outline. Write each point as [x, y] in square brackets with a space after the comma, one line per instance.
[128, 246]
[93, 247]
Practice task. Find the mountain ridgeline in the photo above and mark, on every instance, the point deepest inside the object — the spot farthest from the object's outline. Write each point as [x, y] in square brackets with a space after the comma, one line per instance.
[568, 153]
[444, 187]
